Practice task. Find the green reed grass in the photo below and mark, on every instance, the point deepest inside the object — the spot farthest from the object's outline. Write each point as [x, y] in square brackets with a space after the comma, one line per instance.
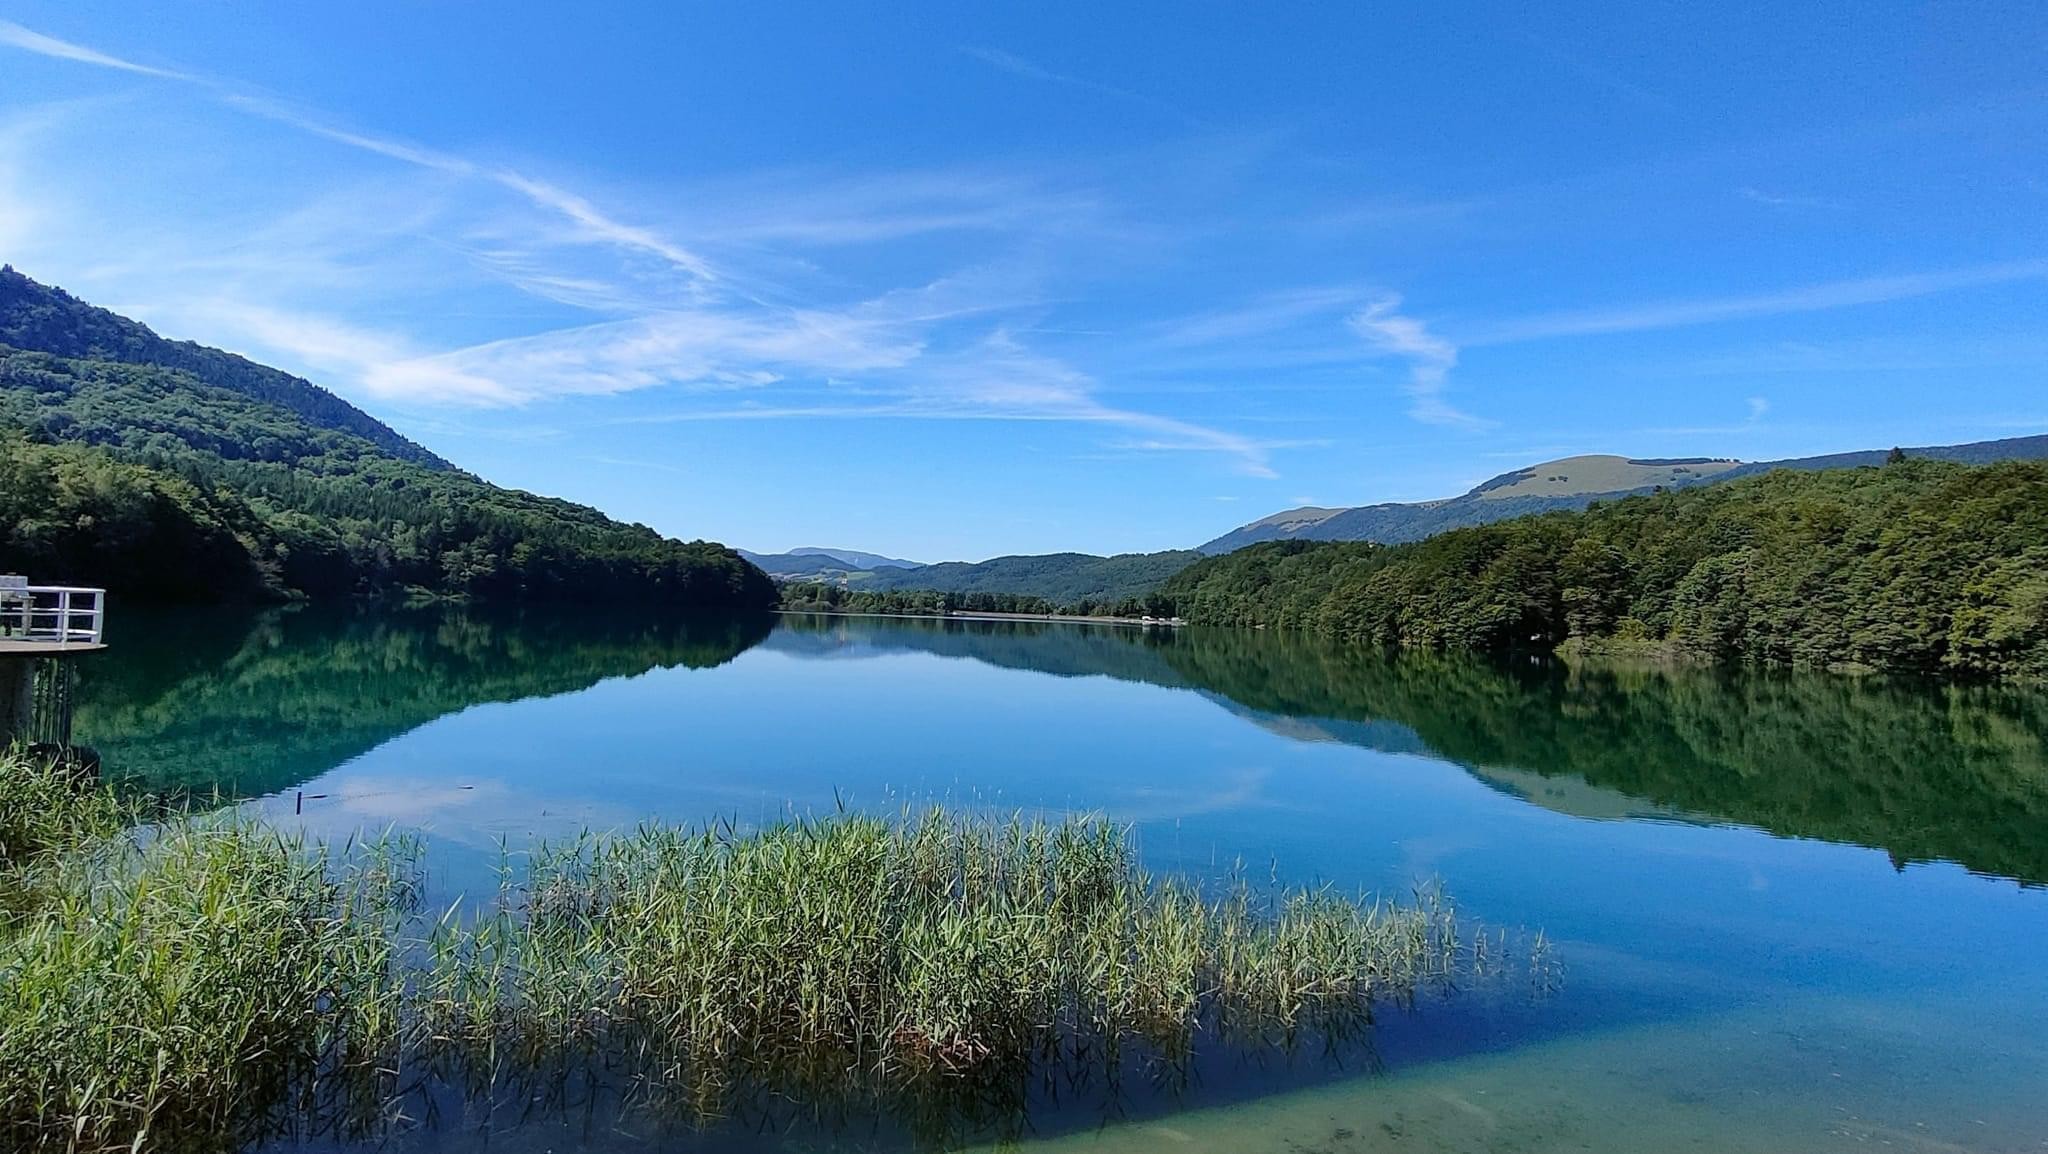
[183, 983]
[210, 976]
[46, 806]
[901, 949]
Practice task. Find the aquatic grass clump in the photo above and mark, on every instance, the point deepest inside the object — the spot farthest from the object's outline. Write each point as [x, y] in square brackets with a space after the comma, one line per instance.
[210, 981]
[890, 951]
[185, 982]
[48, 806]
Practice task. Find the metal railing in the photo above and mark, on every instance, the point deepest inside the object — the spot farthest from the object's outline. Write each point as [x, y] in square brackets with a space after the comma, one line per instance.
[51, 614]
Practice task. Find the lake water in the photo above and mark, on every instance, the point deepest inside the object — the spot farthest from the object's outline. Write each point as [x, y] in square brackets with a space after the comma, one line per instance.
[1793, 912]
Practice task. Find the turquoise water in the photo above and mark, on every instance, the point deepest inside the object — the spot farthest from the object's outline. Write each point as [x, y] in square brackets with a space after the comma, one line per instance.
[1794, 912]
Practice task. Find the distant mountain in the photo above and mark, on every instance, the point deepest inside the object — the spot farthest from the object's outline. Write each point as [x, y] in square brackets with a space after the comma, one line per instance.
[1063, 578]
[168, 470]
[1568, 483]
[810, 561]
[1595, 473]
[1973, 453]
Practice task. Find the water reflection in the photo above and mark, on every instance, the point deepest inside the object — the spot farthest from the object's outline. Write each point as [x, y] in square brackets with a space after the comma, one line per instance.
[254, 705]
[1924, 772]
[1725, 987]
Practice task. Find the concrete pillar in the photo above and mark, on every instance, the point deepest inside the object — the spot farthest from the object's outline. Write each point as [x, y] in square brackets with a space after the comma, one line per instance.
[17, 697]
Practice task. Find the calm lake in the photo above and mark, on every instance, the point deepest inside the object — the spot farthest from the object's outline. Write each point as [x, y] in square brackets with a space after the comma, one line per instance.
[1792, 912]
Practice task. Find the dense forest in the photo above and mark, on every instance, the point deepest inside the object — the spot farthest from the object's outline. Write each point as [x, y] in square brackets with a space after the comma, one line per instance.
[1915, 566]
[153, 480]
[829, 597]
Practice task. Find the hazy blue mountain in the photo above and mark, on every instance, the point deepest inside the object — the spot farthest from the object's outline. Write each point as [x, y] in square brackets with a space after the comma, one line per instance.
[812, 555]
[1064, 578]
[812, 563]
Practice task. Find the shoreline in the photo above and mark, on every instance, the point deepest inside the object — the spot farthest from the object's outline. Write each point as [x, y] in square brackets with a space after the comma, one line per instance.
[975, 615]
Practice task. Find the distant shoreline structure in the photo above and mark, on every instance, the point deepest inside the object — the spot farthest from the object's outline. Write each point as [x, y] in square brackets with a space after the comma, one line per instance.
[971, 615]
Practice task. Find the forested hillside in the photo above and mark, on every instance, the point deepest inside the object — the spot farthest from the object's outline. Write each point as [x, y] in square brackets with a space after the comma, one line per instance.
[831, 597]
[46, 319]
[1917, 566]
[157, 482]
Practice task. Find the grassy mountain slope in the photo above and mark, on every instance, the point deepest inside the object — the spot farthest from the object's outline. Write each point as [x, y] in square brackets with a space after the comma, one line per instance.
[1598, 473]
[1569, 483]
[1922, 566]
[1062, 578]
[288, 489]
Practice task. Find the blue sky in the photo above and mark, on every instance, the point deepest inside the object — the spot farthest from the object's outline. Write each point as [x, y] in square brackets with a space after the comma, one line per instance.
[957, 280]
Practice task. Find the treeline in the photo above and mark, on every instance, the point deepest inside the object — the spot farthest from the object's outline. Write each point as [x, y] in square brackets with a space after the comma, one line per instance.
[1916, 566]
[147, 480]
[822, 597]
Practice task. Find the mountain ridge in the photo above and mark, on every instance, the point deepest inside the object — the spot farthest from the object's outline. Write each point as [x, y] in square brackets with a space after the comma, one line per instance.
[1533, 489]
[44, 318]
[814, 560]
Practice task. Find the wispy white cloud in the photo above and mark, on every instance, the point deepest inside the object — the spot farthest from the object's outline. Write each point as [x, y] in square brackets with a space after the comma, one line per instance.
[1807, 298]
[1598, 74]
[1258, 318]
[1786, 200]
[825, 209]
[592, 223]
[995, 378]
[1016, 65]
[14, 35]
[708, 328]
[1756, 409]
[596, 224]
[601, 227]
[1430, 360]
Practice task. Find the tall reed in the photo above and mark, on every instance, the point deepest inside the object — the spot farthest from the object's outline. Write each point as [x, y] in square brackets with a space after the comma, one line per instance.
[899, 950]
[212, 978]
[182, 984]
[46, 805]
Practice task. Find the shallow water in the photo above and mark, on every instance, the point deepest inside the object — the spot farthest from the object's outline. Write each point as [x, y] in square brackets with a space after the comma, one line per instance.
[1796, 912]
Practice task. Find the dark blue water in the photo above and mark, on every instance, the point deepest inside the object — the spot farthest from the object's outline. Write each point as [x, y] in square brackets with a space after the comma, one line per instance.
[1795, 912]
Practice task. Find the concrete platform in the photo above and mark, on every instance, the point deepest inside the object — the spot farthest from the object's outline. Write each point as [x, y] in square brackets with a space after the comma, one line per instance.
[13, 647]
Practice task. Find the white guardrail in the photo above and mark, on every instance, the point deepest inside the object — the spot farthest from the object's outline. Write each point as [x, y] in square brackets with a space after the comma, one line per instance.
[52, 614]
